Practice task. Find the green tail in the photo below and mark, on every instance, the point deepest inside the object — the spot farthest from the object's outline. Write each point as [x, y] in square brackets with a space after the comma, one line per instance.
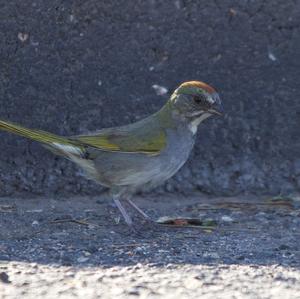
[37, 135]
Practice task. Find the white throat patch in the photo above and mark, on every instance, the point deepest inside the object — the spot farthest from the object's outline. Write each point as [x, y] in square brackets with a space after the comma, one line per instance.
[193, 126]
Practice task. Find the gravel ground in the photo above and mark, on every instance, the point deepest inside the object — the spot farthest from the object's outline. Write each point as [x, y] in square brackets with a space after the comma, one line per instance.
[70, 248]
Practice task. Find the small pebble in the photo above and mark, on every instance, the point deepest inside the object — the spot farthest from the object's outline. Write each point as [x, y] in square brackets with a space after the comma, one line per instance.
[160, 90]
[35, 223]
[134, 291]
[226, 218]
[23, 36]
[86, 253]
[82, 259]
[284, 247]
[272, 56]
[4, 278]
[213, 255]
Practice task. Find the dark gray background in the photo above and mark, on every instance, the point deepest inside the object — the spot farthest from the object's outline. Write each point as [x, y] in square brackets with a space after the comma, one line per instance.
[54, 54]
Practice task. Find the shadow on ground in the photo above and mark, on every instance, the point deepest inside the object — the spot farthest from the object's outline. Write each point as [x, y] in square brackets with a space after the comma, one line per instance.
[262, 231]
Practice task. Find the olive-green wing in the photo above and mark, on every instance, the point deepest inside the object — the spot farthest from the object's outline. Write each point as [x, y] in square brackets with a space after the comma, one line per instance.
[147, 142]
[136, 138]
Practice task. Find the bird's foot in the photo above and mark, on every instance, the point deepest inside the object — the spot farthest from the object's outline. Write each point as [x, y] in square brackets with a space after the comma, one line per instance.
[139, 229]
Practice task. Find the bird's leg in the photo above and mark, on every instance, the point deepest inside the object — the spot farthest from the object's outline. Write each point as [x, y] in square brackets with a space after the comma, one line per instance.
[144, 215]
[125, 215]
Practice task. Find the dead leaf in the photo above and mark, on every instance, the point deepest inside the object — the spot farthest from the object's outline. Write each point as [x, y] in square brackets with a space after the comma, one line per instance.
[180, 222]
[7, 208]
[187, 222]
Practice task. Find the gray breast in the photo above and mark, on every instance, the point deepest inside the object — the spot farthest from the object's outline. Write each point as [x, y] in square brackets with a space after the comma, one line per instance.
[175, 155]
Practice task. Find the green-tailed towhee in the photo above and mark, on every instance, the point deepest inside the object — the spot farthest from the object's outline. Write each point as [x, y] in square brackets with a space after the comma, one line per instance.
[143, 154]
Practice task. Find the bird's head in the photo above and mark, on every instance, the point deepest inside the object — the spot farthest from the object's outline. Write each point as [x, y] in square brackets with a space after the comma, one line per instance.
[196, 100]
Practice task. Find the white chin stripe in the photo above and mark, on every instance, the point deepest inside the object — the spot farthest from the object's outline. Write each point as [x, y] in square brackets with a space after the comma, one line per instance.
[69, 149]
[193, 126]
[210, 100]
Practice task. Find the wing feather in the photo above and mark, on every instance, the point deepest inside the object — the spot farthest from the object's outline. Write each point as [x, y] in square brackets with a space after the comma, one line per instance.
[125, 143]
[140, 137]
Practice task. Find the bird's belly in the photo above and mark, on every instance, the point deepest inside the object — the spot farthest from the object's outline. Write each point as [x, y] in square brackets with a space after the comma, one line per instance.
[140, 169]
[127, 169]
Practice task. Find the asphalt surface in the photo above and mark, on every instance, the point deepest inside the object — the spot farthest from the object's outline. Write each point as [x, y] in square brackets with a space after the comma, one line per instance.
[71, 67]
[75, 247]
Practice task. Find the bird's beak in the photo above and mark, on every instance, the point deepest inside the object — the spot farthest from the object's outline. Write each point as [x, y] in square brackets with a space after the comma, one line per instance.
[214, 111]
[217, 108]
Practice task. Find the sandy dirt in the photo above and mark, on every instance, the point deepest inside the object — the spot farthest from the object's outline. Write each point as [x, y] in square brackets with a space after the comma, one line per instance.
[79, 247]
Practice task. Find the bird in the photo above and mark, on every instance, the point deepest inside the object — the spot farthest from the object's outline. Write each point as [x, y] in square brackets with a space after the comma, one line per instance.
[137, 156]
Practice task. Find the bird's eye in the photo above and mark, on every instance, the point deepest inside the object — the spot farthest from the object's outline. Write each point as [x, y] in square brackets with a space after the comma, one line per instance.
[198, 99]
